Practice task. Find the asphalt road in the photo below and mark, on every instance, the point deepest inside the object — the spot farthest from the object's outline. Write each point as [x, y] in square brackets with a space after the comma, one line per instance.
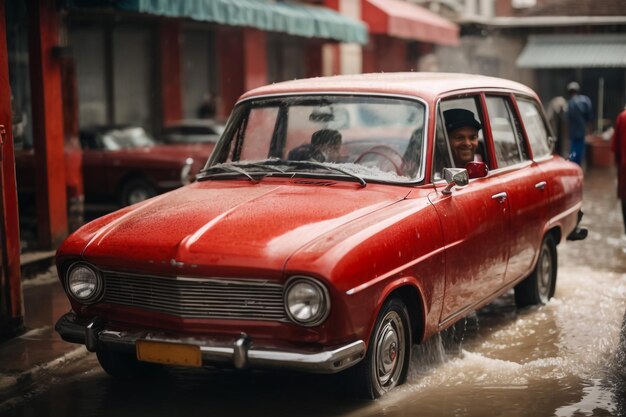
[565, 358]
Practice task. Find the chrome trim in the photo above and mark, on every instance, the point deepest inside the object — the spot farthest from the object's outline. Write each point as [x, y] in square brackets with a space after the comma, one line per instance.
[541, 185]
[242, 352]
[185, 170]
[191, 297]
[499, 196]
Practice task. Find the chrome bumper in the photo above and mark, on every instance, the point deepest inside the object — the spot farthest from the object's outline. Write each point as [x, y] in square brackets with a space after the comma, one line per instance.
[241, 353]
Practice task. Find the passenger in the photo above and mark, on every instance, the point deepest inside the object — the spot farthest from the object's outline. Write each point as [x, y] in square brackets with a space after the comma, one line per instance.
[462, 130]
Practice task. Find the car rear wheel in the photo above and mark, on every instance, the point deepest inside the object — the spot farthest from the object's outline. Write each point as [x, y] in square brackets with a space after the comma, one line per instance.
[539, 286]
[124, 365]
[389, 352]
[136, 191]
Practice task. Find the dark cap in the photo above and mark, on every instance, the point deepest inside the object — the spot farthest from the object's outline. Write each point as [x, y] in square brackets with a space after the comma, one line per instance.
[458, 118]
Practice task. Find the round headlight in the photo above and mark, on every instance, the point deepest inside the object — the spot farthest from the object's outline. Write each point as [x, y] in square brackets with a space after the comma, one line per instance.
[84, 283]
[307, 301]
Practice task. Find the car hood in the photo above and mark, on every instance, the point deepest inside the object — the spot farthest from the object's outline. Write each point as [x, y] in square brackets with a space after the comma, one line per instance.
[215, 226]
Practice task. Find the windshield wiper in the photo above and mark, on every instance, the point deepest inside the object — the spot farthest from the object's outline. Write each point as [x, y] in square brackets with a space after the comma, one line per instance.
[227, 168]
[240, 168]
[272, 163]
[326, 167]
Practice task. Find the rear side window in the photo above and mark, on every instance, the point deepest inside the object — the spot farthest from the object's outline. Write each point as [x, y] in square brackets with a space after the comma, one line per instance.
[536, 129]
[505, 128]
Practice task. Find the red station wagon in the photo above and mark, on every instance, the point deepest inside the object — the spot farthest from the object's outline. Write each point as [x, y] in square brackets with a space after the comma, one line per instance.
[338, 221]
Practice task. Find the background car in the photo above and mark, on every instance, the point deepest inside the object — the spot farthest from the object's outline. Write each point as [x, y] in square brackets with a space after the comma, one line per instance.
[286, 255]
[124, 165]
[192, 131]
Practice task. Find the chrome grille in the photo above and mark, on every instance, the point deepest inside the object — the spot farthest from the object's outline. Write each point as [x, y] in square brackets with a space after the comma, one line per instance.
[197, 297]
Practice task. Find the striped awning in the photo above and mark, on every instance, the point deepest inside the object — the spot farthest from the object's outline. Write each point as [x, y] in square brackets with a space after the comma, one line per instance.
[273, 16]
[574, 51]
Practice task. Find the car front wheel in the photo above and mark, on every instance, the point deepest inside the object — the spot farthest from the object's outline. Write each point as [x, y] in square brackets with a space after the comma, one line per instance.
[389, 352]
[136, 191]
[539, 286]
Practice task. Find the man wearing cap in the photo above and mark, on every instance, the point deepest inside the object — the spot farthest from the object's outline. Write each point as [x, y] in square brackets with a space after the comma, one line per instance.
[578, 115]
[462, 130]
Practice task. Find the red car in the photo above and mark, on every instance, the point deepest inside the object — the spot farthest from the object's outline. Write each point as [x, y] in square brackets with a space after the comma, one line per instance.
[123, 164]
[330, 230]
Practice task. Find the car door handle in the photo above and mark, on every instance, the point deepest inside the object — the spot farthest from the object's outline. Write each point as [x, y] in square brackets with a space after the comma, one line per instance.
[500, 196]
[540, 185]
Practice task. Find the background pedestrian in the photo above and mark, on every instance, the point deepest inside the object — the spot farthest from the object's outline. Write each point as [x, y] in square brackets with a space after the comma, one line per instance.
[618, 146]
[578, 114]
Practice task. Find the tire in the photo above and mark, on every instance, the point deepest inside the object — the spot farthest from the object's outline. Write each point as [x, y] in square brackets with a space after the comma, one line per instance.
[388, 355]
[135, 191]
[124, 365]
[539, 286]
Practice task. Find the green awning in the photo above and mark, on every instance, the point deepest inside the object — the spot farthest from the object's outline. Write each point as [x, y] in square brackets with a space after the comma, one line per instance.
[272, 16]
[574, 51]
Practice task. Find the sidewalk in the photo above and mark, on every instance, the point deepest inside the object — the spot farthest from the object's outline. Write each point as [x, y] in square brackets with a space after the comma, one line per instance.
[33, 356]
[30, 357]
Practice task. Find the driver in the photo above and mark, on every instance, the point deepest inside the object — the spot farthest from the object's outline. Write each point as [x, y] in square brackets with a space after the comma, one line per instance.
[462, 130]
[326, 146]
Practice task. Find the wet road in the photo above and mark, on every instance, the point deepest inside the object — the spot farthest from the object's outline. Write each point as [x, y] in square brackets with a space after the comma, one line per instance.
[562, 359]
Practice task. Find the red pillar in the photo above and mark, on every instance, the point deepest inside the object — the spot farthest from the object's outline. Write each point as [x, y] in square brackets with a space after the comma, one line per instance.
[242, 64]
[11, 316]
[73, 150]
[170, 71]
[45, 79]
[255, 58]
[313, 60]
[335, 52]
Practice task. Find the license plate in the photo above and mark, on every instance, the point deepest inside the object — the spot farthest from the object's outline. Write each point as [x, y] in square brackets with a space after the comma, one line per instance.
[169, 353]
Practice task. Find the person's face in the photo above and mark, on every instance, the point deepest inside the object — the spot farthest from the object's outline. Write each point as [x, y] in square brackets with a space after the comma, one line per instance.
[463, 143]
[331, 152]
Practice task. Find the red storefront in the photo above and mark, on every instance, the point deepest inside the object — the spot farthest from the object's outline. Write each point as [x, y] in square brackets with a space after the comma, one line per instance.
[48, 91]
[402, 32]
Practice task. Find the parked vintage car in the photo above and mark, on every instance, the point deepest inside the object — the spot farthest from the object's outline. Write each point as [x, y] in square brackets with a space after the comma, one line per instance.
[123, 164]
[316, 244]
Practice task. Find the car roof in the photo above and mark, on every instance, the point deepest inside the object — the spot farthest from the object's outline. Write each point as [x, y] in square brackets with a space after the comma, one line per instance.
[427, 85]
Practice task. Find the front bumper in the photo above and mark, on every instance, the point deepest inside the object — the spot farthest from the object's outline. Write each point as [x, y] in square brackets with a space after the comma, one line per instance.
[240, 352]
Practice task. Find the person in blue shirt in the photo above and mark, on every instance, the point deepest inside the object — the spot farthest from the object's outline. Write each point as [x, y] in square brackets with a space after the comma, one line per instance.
[578, 115]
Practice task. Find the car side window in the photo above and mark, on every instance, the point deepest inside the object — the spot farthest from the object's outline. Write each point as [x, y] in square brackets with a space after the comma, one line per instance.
[536, 127]
[471, 104]
[505, 128]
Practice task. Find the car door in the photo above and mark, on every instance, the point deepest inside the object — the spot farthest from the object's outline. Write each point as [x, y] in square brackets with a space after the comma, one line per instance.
[524, 183]
[473, 220]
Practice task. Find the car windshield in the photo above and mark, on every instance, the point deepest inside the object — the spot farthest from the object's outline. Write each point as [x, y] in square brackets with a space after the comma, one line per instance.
[364, 137]
[126, 138]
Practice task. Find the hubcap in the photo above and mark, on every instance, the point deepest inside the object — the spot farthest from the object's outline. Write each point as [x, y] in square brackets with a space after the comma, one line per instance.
[390, 350]
[138, 195]
[544, 273]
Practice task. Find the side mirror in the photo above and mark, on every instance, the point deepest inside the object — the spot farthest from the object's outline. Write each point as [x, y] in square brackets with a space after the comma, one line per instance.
[455, 176]
[477, 169]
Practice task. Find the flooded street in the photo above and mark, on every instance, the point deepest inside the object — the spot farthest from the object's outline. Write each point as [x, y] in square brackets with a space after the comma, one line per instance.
[561, 359]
